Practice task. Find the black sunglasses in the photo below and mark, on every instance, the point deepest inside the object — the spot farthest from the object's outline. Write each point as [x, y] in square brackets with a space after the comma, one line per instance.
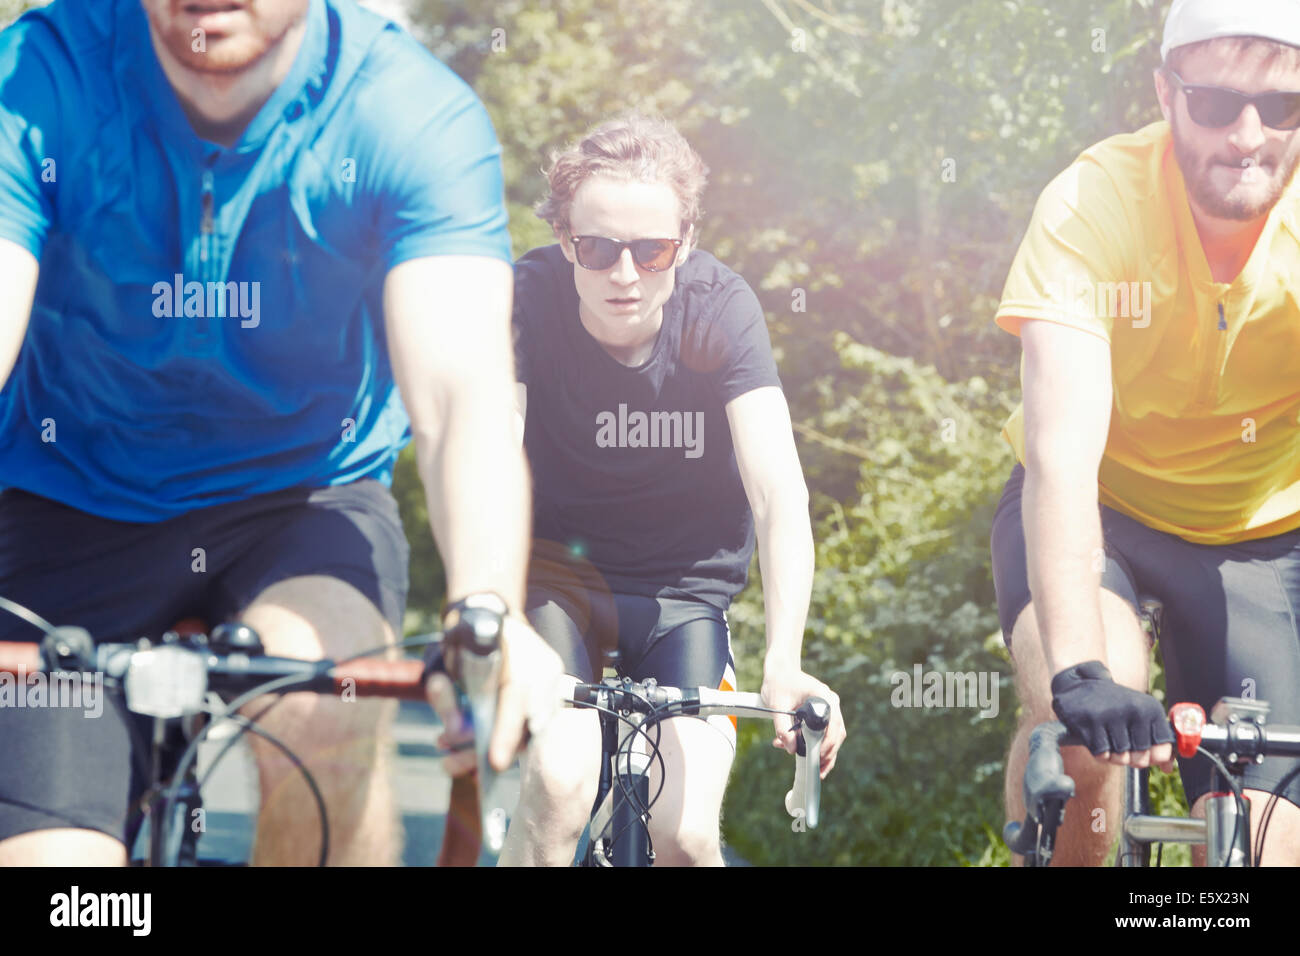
[1217, 106]
[599, 253]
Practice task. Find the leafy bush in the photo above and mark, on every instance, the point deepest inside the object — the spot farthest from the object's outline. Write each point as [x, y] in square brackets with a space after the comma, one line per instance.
[903, 578]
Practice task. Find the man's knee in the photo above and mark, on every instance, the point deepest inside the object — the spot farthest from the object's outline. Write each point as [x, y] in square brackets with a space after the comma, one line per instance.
[695, 842]
[318, 616]
[62, 847]
[697, 762]
[314, 616]
[1127, 648]
[1126, 653]
[563, 763]
[1033, 682]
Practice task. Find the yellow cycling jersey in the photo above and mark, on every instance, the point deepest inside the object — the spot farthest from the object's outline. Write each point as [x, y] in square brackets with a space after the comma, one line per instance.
[1204, 435]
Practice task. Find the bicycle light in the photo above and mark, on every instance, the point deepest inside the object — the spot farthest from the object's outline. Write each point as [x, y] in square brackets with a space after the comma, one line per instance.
[166, 681]
[1189, 723]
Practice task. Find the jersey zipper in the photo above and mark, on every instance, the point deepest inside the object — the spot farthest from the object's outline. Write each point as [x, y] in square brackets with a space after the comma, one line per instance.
[207, 228]
[1209, 390]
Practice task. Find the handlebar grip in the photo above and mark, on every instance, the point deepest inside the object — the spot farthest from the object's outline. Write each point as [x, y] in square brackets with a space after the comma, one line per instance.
[1045, 776]
[1019, 837]
[474, 657]
[804, 798]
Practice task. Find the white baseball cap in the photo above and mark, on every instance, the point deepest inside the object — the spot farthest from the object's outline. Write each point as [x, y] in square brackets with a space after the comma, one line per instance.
[1191, 21]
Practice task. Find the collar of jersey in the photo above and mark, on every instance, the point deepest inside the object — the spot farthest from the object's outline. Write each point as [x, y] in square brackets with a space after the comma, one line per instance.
[151, 94]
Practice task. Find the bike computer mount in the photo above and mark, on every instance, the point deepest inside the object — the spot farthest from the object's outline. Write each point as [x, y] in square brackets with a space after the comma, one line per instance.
[1243, 718]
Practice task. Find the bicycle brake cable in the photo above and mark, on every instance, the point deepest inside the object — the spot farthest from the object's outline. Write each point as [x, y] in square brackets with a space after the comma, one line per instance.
[192, 750]
[640, 811]
[636, 728]
[246, 725]
[251, 725]
[26, 614]
[1237, 795]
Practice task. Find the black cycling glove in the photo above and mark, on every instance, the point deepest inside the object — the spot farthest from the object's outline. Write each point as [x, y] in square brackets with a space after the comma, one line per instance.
[1106, 715]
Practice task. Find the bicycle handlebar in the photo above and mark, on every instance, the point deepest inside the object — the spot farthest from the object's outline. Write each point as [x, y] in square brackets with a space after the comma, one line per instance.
[651, 699]
[166, 680]
[1047, 787]
[475, 665]
[804, 798]
[1239, 734]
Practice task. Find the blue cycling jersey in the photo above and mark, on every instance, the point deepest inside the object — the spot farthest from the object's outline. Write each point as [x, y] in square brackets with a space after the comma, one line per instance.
[208, 321]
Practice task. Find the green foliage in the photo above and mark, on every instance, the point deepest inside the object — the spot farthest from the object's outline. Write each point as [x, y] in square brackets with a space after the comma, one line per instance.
[903, 578]
[11, 10]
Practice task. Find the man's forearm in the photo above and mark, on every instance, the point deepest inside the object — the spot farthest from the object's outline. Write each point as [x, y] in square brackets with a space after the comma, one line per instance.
[477, 464]
[785, 557]
[1064, 551]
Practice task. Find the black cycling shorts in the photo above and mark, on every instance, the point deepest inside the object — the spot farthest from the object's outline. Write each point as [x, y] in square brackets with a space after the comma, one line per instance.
[678, 642]
[65, 767]
[1229, 626]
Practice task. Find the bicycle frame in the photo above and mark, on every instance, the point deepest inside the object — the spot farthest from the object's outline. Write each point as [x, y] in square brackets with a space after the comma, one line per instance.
[1140, 828]
[617, 834]
[618, 829]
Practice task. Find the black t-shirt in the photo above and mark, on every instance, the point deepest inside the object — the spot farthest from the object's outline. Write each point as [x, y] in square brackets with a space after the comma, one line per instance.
[633, 467]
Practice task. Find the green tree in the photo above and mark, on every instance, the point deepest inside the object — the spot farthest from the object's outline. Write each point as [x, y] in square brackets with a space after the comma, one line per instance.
[11, 10]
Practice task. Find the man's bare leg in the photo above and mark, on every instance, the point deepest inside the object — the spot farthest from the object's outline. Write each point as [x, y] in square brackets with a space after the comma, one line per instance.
[62, 847]
[561, 773]
[685, 822]
[1281, 842]
[344, 743]
[1091, 818]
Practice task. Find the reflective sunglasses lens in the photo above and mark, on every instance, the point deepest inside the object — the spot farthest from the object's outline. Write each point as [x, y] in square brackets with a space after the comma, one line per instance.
[596, 253]
[656, 255]
[1213, 108]
[1280, 110]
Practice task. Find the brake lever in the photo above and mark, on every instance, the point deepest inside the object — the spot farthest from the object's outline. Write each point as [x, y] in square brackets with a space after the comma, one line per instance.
[474, 662]
[479, 680]
[804, 798]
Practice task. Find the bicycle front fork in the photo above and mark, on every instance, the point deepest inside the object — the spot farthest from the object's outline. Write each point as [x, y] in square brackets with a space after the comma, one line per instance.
[1137, 802]
[1225, 831]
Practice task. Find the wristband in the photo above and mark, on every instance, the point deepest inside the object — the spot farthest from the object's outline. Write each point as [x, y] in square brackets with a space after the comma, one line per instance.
[1072, 677]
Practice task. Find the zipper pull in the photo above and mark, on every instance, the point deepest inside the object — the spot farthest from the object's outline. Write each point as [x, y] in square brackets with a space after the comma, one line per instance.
[207, 220]
[207, 227]
[1223, 324]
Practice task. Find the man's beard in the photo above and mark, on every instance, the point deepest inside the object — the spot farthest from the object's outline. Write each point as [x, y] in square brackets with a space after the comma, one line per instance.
[221, 53]
[1197, 172]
